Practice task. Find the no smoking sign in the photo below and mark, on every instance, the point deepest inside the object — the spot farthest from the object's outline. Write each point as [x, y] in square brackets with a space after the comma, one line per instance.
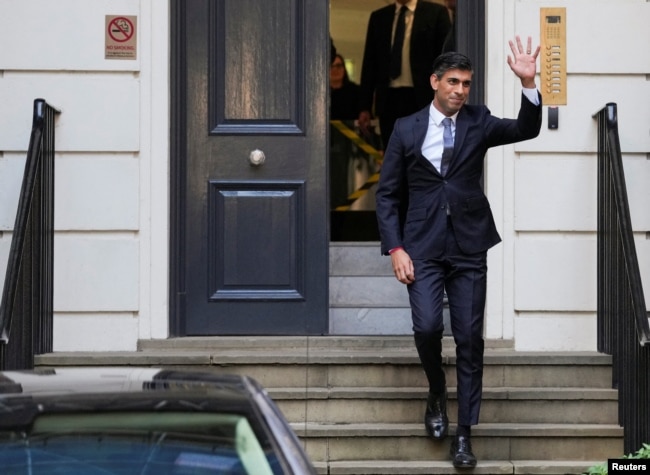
[121, 37]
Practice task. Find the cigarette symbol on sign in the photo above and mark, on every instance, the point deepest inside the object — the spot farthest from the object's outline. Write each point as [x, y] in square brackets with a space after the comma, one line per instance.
[120, 29]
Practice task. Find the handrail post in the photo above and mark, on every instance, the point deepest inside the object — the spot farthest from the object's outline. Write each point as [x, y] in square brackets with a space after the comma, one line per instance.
[26, 309]
[623, 329]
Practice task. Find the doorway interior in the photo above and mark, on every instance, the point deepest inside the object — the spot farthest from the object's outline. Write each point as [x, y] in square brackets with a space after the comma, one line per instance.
[355, 160]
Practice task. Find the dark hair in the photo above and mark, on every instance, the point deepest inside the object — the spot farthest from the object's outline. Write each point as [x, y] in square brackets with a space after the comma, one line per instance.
[346, 78]
[450, 60]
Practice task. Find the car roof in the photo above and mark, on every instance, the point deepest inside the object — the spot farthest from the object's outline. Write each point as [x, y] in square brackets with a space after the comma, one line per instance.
[118, 388]
[116, 379]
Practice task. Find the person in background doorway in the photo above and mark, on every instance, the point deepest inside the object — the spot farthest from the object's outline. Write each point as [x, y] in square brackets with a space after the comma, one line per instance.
[344, 94]
[344, 106]
[441, 241]
[402, 40]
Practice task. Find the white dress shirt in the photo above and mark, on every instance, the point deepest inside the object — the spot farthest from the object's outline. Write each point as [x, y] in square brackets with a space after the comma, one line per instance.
[433, 142]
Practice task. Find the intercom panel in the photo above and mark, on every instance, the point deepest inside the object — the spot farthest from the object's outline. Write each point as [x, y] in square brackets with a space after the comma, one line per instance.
[553, 56]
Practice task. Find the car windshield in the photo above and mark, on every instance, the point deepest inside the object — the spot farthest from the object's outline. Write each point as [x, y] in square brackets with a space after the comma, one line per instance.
[151, 443]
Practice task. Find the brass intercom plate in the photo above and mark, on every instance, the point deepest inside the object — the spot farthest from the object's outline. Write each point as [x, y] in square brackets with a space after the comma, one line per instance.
[553, 56]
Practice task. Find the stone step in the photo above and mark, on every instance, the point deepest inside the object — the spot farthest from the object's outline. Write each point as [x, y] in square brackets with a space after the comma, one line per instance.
[501, 441]
[367, 292]
[290, 343]
[363, 366]
[358, 259]
[406, 405]
[426, 467]
[357, 402]
[364, 296]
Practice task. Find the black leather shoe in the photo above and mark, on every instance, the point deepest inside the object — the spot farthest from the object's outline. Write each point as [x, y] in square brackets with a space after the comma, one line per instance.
[436, 422]
[461, 452]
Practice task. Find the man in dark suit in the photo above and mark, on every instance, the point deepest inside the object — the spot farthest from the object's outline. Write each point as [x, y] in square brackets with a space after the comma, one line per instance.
[402, 41]
[439, 239]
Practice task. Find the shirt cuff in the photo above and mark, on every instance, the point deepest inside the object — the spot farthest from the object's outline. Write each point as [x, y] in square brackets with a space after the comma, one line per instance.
[531, 94]
[395, 249]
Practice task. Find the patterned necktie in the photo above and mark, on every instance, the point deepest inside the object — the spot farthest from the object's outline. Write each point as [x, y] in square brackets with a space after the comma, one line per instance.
[448, 144]
[398, 43]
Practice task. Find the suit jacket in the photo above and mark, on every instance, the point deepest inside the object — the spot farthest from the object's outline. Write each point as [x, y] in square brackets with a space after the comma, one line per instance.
[430, 27]
[420, 226]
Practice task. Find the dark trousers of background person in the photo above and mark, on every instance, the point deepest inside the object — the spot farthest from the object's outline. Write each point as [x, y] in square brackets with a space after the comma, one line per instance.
[400, 102]
[464, 276]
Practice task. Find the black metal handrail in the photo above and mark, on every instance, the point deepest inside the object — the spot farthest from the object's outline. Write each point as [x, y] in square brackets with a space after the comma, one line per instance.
[26, 306]
[623, 329]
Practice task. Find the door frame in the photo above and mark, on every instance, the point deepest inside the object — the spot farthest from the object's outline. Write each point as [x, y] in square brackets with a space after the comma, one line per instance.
[177, 169]
[470, 39]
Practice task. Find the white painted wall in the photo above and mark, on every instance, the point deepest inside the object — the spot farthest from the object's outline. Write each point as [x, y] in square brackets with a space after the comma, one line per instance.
[542, 278]
[112, 162]
[112, 197]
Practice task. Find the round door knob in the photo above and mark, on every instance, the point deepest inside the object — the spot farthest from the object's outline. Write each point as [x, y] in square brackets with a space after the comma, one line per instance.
[256, 158]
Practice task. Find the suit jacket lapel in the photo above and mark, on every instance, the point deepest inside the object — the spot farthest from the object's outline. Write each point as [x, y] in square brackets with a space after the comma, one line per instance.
[419, 134]
[417, 19]
[386, 27]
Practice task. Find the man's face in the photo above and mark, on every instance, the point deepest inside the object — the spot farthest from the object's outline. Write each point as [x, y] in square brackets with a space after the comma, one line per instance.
[451, 89]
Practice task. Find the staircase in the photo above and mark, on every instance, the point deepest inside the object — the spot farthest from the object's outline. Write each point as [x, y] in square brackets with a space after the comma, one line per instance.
[365, 298]
[358, 402]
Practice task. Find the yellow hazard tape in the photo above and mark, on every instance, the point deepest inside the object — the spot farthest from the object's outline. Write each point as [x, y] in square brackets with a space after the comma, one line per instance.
[370, 150]
[358, 141]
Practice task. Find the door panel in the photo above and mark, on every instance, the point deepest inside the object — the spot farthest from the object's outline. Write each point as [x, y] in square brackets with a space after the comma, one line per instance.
[258, 59]
[246, 262]
[251, 243]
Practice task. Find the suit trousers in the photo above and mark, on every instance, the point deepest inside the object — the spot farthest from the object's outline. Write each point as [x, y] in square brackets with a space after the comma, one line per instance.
[464, 277]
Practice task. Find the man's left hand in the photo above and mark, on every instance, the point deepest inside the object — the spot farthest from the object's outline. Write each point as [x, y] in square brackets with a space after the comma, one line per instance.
[523, 62]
